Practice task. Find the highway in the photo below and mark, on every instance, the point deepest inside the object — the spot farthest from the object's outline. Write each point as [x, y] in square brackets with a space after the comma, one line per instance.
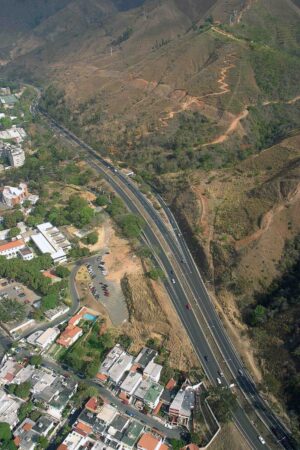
[201, 322]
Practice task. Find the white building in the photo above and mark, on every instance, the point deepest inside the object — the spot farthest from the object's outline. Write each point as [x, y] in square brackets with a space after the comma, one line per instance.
[153, 371]
[181, 407]
[118, 369]
[9, 409]
[131, 382]
[26, 254]
[16, 156]
[110, 359]
[12, 196]
[43, 338]
[14, 133]
[8, 371]
[11, 249]
[51, 240]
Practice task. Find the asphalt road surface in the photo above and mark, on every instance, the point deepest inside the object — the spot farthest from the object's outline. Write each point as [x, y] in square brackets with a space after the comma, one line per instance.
[193, 305]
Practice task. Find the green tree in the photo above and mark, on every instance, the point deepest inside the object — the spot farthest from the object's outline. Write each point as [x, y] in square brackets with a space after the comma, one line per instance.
[116, 207]
[131, 225]
[101, 200]
[42, 442]
[91, 238]
[13, 232]
[22, 390]
[258, 316]
[24, 410]
[156, 273]
[223, 402]
[177, 444]
[11, 310]
[36, 360]
[84, 392]
[62, 272]
[5, 432]
[49, 302]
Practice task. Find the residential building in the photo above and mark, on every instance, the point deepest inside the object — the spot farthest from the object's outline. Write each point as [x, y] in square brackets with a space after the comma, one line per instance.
[149, 442]
[26, 254]
[74, 441]
[8, 371]
[52, 314]
[120, 366]
[131, 435]
[180, 410]
[107, 413]
[14, 133]
[11, 249]
[44, 425]
[8, 100]
[145, 356]
[25, 437]
[13, 196]
[14, 153]
[153, 371]
[50, 240]
[47, 337]
[131, 382]
[149, 392]
[9, 409]
[69, 336]
[110, 359]
[16, 156]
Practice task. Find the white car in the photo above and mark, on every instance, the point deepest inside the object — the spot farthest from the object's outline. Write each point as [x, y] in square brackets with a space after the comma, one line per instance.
[173, 281]
[219, 380]
[262, 440]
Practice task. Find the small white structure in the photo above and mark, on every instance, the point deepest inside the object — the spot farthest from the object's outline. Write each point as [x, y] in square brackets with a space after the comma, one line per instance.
[14, 133]
[131, 382]
[118, 369]
[26, 254]
[43, 339]
[16, 156]
[9, 409]
[153, 371]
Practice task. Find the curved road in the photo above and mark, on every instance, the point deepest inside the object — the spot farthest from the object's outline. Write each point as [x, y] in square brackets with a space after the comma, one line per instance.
[202, 323]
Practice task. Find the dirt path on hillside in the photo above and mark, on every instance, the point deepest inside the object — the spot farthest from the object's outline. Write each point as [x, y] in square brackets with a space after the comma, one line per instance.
[242, 115]
[267, 220]
[246, 8]
[224, 86]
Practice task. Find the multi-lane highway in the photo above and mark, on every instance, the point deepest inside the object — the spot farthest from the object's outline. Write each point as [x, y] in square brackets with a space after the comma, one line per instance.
[193, 305]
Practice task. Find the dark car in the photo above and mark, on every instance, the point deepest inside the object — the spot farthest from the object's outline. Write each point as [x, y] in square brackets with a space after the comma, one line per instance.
[188, 306]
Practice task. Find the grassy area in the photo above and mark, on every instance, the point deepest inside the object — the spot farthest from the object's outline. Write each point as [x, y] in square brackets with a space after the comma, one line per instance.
[88, 351]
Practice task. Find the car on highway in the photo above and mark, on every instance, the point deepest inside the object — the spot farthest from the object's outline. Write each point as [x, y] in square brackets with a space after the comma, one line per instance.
[261, 439]
[221, 373]
[219, 381]
[241, 372]
[173, 281]
[188, 306]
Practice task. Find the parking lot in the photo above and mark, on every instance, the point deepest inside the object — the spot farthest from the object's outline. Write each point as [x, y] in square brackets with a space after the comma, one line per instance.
[108, 293]
[17, 291]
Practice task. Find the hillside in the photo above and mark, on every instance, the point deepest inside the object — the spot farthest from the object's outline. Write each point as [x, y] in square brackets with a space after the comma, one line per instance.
[201, 98]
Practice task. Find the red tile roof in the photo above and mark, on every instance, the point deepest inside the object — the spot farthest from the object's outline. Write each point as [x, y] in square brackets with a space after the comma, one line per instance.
[17, 441]
[170, 384]
[62, 447]
[157, 409]
[191, 447]
[83, 428]
[101, 376]
[27, 426]
[13, 244]
[67, 335]
[148, 442]
[9, 376]
[92, 404]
